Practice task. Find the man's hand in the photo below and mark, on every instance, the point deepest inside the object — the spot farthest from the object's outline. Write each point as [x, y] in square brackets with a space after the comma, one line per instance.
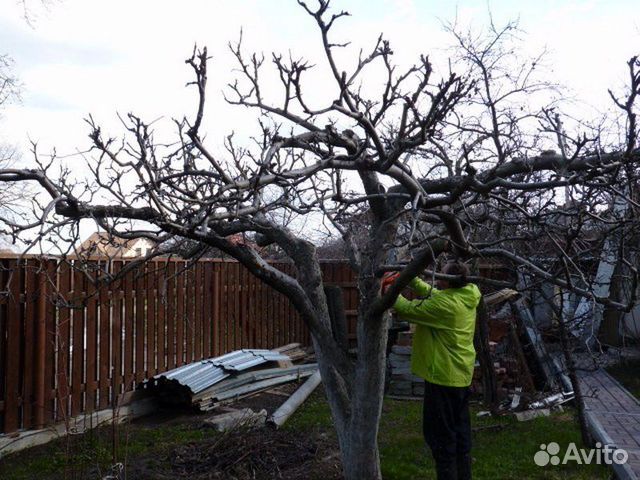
[387, 279]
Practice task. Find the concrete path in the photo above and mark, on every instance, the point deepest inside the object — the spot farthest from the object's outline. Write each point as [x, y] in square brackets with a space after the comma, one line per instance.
[614, 418]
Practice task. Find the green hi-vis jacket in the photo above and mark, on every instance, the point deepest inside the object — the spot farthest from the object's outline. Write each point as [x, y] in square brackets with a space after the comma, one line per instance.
[443, 351]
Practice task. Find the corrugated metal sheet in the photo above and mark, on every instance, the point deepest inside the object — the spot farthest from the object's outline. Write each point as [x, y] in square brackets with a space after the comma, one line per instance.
[201, 375]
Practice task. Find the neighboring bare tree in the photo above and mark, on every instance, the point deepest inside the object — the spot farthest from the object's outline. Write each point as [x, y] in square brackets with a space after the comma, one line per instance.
[12, 197]
[445, 165]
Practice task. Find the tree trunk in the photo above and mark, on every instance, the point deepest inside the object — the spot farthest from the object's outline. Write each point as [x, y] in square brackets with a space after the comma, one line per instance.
[356, 399]
[357, 420]
[335, 303]
[360, 456]
[575, 381]
[481, 341]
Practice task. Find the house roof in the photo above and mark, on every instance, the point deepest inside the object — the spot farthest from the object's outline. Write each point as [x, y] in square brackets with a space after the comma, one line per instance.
[103, 243]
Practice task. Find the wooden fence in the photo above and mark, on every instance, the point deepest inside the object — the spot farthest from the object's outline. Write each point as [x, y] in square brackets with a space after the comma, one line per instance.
[68, 347]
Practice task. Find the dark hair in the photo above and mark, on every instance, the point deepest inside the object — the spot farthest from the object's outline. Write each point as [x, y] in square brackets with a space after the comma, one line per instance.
[458, 269]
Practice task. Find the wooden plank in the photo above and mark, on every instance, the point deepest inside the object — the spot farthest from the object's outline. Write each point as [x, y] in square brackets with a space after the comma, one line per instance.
[291, 318]
[227, 310]
[116, 334]
[104, 333]
[161, 324]
[30, 320]
[286, 320]
[140, 343]
[41, 338]
[92, 342]
[251, 311]
[206, 310]
[198, 327]
[129, 329]
[235, 282]
[50, 338]
[78, 355]
[63, 341]
[151, 296]
[265, 291]
[349, 295]
[170, 280]
[277, 320]
[283, 339]
[224, 310]
[189, 314]
[11, 404]
[180, 340]
[216, 327]
[242, 312]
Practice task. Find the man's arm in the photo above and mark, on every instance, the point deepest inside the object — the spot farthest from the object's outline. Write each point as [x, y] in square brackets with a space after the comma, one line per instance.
[427, 312]
[421, 287]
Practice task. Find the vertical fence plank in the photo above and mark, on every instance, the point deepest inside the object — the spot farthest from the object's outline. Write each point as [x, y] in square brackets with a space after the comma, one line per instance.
[141, 311]
[129, 329]
[41, 339]
[30, 321]
[242, 303]
[161, 324]
[226, 311]
[92, 341]
[117, 297]
[206, 310]
[197, 292]
[237, 325]
[251, 311]
[78, 352]
[12, 351]
[189, 316]
[280, 320]
[216, 327]
[152, 286]
[265, 321]
[170, 314]
[180, 314]
[104, 333]
[62, 340]
[275, 309]
[231, 304]
[224, 308]
[50, 338]
[291, 320]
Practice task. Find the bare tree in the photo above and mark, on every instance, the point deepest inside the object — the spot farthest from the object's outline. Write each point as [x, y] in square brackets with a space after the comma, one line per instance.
[447, 164]
[11, 196]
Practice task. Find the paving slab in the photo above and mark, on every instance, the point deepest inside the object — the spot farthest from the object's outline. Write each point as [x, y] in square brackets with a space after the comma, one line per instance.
[613, 414]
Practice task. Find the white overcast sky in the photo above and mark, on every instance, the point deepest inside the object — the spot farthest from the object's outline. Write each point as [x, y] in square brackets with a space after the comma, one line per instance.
[105, 57]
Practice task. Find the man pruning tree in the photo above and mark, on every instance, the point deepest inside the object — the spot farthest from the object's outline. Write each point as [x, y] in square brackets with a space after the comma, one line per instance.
[443, 354]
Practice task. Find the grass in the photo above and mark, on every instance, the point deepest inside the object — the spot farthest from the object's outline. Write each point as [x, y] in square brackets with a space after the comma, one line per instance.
[503, 448]
[90, 455]
[628, 374]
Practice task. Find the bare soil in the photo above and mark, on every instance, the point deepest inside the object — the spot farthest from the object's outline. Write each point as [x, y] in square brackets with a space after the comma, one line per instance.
[241, 454]
[263, 453]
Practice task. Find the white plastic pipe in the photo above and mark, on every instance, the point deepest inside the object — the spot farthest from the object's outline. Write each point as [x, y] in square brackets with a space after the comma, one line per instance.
[282, 414]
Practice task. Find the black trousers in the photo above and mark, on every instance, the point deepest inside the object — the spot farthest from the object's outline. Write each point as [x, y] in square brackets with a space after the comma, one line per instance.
[447, 430]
